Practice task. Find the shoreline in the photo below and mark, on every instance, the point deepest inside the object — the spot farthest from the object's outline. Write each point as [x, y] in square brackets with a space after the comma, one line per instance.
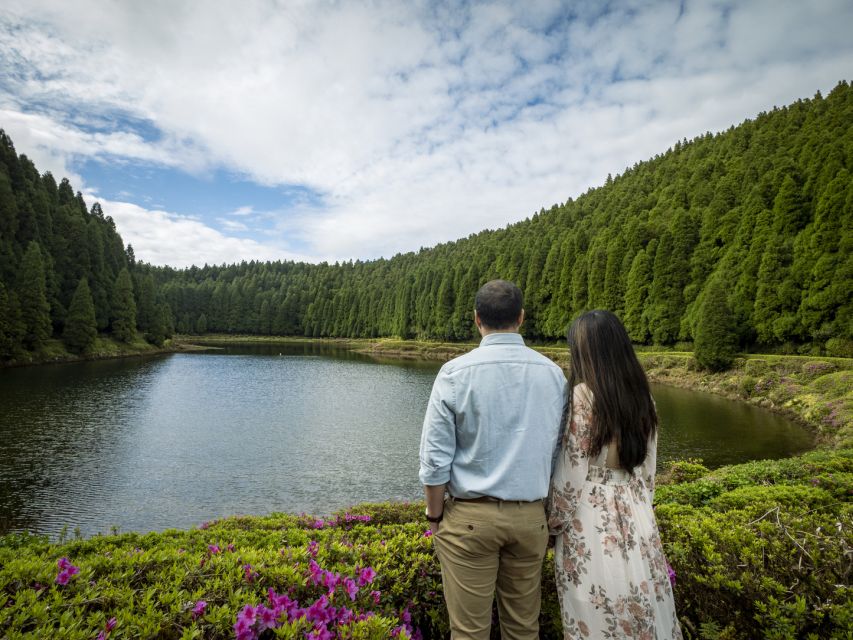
[815, 392]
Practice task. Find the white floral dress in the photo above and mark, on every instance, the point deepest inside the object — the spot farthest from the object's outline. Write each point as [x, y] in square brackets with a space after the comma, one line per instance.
[611, 574]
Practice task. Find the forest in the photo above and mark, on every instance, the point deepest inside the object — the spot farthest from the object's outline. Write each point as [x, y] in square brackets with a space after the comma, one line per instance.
[741, 237]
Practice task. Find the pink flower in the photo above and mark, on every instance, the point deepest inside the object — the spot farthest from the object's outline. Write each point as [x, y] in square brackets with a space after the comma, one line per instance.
[66, 571]
[366, 576]
[198, 609]
[111, 624]
[351, 587]
[213, 549]
[248, 574]
[267, 618]
[248, 614]
[313, 548]
[231, 547]
[428, 533]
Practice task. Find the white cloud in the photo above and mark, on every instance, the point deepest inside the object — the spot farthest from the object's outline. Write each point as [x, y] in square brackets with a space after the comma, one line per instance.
[160, 237]
[416, 122]
[232, 225]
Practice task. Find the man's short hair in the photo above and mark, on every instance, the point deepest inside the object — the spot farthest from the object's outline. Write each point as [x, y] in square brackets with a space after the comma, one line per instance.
[498, 303]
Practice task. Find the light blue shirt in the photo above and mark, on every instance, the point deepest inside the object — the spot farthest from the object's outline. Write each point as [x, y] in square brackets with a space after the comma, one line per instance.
[493, 421]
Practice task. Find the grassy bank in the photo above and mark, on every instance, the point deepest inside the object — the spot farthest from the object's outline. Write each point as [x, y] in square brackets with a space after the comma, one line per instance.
[54, 351]
[759, 550]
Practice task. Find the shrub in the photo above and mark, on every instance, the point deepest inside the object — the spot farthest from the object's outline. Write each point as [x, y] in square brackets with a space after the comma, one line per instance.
[839, 347]
[755, 366]
[761, 550]
[684, 471]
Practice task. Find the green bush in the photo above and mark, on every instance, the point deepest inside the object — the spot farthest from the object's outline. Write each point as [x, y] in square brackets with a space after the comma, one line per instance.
[839, 347]
[755, 366]
[760, 550]
[684, 471]
[769, 497]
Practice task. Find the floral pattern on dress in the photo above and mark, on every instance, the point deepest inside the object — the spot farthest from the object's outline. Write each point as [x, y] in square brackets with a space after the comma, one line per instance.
[611, 573]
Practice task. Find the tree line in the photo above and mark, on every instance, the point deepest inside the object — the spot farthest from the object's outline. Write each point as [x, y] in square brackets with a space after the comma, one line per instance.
[64, 270]
[739, 239]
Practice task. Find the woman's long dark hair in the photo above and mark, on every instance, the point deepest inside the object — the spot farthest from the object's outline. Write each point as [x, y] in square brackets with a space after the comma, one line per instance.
[622, 406]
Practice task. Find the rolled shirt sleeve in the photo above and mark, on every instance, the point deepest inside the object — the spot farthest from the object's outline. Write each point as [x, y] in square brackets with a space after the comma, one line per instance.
[438, 437]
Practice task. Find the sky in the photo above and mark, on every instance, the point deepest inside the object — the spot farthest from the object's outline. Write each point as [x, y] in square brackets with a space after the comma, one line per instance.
[218, 131]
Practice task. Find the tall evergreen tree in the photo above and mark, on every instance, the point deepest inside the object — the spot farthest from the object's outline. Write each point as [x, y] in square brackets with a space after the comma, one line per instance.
[639, 278]
[11, 324]
[32, 294]
[715, 345]
[123, 308]
[80, 325]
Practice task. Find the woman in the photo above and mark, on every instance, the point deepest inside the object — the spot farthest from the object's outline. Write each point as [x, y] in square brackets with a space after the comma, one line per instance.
[612, 577]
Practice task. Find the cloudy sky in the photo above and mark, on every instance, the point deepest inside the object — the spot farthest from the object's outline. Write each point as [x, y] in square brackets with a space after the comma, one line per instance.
[220, 131]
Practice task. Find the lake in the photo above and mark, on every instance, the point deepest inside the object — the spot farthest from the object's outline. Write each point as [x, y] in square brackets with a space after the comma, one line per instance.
[172, 441]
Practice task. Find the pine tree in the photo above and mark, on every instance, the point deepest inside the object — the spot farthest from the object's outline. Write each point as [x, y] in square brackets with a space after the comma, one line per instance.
[32, 294]
[715, 345]
[11, 324]
[80, 324]
[639, 278]
[124, 308]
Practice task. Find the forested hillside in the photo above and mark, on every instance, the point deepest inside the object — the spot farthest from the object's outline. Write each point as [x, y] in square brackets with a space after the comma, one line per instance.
[760, 216]
[765, 209]
[64, 270]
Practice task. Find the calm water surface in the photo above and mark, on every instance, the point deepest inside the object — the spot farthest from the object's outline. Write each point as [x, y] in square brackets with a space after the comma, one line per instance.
[175, 440]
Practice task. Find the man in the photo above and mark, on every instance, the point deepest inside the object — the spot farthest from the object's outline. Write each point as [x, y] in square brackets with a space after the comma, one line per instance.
[489, 440]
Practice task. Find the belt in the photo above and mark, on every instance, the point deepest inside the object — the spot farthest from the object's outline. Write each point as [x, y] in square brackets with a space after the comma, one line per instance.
[492, 499]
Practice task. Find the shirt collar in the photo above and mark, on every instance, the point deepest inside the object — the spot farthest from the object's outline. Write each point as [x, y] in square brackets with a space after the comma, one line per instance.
[502, 338]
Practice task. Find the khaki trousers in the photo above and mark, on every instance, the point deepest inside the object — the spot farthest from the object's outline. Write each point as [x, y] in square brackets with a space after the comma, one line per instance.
[488, 548]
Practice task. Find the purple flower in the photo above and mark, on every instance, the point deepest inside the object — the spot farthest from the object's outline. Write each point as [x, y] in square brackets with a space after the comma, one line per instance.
[111, 624]
[317, 612]
[267, 618]
[101, 636]
[198, 609]
[313, 548]
[366, 576]
[428, 533]
[249, 614]
[66, 570]
[671, 573]
[213, 549]
[375, 595]
[248, 574]
[231, 547]
[351, 587]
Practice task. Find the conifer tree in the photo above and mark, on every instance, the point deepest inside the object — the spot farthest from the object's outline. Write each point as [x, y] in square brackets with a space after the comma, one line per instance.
[637, 292]
[715, 345]
[123, 308]
[80, 323]
[32, 294]
[11, 323]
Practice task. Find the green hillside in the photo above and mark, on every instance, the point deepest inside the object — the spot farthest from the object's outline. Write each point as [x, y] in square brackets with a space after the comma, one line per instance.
[765, 209]
[761, 214]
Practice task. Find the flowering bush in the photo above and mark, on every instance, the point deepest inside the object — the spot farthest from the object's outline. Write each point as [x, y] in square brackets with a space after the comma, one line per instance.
[760, 550]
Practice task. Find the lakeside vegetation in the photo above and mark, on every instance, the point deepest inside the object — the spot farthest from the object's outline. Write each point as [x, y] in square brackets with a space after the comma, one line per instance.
[759, 550]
